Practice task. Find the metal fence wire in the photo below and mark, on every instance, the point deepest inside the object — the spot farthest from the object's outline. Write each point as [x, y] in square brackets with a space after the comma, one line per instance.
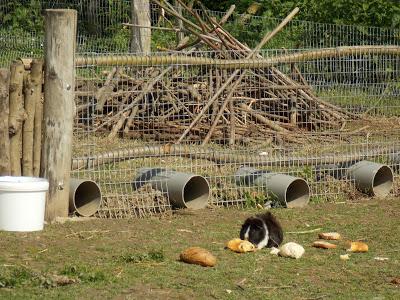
[308, 106]
[309, 118]
[102, 28]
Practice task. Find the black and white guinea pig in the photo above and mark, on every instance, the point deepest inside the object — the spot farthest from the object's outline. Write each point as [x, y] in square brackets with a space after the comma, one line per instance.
[262, 230]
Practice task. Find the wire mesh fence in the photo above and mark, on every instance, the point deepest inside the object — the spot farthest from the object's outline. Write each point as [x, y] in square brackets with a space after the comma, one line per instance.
[103, 27]
[310, 118]
[300, 107]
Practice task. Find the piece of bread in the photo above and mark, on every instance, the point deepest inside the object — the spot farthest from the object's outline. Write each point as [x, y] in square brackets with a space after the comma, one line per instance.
[240, 246]
[323, 245]
[329, 236]
[198, 256]
[292, 250]
[358, 247]
[344, 257]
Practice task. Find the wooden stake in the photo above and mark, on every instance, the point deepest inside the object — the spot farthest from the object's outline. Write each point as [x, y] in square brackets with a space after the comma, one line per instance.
[4, 110]
[16, 116]
[37, 128]
[59, 91]
[32, 91]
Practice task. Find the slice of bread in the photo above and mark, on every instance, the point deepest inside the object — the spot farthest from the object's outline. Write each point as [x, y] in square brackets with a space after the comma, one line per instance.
[324, 245]
[329, 236]
[358, 247]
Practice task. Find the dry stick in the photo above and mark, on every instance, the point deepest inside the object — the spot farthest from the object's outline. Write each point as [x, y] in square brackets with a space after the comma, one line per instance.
[153, 27]
[232, 122]
[148, 87]
[103, 92]
[4, 111]
[222, 109]
[266, 38]
[262, 119]
[221, 22]
[37, 126]
[119, 125]
[16, 117]
[190, 24]
[304, 232]
[131, 118]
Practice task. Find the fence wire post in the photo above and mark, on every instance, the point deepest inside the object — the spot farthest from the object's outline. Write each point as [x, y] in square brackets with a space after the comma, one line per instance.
[59, 93]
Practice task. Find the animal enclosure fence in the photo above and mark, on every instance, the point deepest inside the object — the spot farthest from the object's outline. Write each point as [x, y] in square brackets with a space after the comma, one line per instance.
[101, 29]
[306, 113]
[310, 112]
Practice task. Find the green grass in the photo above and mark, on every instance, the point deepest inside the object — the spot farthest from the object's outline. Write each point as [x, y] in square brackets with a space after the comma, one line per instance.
[139, 258]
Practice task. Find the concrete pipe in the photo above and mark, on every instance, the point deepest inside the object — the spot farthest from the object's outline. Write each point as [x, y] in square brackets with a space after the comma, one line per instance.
[288, 190]
[84, 197]
[372, 178]
[184, 190]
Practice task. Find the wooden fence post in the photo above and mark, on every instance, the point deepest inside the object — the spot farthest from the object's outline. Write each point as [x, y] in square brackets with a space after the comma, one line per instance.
[32, 91]
[16, 116]
[4, 110]
[59, 92]
[37, 125]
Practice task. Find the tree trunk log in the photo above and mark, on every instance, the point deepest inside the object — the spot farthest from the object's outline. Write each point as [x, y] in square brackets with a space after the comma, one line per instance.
[141, 36]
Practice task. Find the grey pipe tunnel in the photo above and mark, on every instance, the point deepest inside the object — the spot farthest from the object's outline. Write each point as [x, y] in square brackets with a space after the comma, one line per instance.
[288, 190]
[185, 190]
[84, 197]
[371, 178]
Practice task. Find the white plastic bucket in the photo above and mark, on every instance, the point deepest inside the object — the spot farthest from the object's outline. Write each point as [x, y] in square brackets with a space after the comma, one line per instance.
[22, 203]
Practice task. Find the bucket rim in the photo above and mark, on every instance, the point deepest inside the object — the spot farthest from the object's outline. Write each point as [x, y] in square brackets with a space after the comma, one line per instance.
[23, 184]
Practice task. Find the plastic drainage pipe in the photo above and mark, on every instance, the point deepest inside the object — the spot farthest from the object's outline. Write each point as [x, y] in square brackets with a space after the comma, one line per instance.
[184, 190]
[372, 178]
[288, 190]
[84, 197]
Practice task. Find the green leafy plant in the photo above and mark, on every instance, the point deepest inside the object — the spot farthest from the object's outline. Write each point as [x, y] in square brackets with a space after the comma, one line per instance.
[152, 256]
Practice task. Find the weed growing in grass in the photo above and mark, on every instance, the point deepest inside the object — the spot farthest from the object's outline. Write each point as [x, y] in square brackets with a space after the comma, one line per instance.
[13, 277]
[152, 256]
[83, 274]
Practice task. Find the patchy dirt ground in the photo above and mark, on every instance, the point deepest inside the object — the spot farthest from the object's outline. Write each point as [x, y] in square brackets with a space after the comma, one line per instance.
[138, 258]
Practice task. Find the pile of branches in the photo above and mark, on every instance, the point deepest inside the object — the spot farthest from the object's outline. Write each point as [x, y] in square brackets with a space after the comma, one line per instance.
[226, 105]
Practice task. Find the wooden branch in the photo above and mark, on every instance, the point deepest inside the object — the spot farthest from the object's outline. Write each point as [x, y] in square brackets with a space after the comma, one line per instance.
[103, 93]
[4, 111]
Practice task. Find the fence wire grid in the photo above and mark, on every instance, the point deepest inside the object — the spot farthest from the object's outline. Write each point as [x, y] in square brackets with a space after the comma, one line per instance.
[102, 28]
[310, 118]
[192, 112]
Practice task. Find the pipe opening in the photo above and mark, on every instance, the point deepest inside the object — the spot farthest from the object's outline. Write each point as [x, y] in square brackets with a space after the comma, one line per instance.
[382, 182]
[196, 192]
[87, 198]
[297, 193]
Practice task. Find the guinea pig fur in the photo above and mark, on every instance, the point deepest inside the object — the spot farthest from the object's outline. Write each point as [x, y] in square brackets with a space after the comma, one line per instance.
[262, 230]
